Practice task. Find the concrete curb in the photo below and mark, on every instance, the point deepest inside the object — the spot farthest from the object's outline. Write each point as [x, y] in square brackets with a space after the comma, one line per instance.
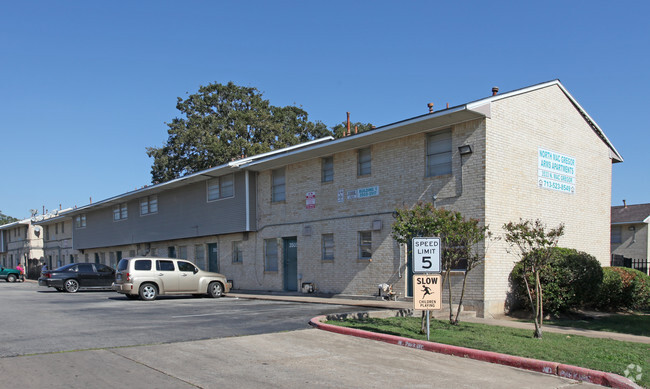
[553, 368]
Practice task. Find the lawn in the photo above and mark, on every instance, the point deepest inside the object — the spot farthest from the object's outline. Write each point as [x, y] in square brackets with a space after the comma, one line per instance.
[599, 354]
[632, 323]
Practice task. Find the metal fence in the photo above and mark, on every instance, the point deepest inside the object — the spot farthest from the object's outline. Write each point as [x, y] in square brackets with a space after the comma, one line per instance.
[632, 263]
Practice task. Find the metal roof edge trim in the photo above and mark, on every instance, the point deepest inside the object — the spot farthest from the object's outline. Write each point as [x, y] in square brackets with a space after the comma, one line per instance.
[370, 133]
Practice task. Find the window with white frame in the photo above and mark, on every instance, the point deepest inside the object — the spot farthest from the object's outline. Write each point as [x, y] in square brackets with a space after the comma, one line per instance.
[149, 205]
[327, 169]
[327, 244]
[80, 221]
[364, 159]
[365, 244]
[270, 255]
[237, 253]
[221, 187]
[278, 185]
[120, 212]
[439, 153]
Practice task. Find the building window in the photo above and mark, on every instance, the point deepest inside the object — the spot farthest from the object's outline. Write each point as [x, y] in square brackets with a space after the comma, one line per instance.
[80, 221]
[327, 169]
[182, 252]
[120, 212]
[278, 185]
[63, 228]
[327, 243]
[56, 228]
[148, 205]
[363, 161]
[616, 234]
[270, 255]
[365, 244]
[439, 153]
[171, 252]
[47, 233]
[199, 256]
[237, 254]
[221, 187]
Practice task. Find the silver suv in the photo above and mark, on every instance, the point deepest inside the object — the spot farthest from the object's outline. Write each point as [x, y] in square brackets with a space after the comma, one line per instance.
[147, 277]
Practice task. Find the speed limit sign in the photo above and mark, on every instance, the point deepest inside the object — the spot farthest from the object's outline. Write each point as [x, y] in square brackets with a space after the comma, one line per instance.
[426, 255]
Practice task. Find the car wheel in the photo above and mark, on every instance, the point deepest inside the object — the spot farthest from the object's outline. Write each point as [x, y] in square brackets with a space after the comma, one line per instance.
[11, 278]
[215, 289]
[132, 296]
[148, 292]
[71, 286]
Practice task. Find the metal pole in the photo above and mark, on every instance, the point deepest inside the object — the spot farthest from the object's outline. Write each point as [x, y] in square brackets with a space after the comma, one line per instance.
[428, 325]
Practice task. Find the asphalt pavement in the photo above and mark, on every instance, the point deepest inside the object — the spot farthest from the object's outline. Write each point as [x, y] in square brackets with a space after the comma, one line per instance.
[298, 358]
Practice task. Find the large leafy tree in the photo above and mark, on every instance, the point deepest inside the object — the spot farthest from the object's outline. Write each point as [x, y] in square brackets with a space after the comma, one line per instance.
[225, 122]
[4, 219]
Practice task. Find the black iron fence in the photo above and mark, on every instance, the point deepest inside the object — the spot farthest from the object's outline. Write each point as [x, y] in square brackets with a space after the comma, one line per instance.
[632, 263]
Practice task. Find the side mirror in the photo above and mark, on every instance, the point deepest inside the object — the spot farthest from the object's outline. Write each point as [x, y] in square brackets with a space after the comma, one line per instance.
[196, 270]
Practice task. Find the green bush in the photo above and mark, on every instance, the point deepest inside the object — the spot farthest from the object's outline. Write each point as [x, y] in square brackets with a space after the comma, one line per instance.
[624, 288]
[571, 280]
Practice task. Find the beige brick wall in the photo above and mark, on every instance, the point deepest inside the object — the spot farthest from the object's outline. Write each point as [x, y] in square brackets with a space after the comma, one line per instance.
[518, 127]
[399, 171]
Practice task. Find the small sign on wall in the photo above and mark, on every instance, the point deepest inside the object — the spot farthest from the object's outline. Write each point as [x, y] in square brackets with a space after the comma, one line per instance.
[310, 200]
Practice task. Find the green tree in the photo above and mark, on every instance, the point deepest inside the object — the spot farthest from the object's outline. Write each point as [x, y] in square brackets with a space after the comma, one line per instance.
[460, 238]
[533, 244]
[4, 219]
[225, 122]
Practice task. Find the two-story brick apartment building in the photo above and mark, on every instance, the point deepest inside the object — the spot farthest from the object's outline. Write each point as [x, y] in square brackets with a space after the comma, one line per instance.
[57, 239]
[320, 213]
[39, 239]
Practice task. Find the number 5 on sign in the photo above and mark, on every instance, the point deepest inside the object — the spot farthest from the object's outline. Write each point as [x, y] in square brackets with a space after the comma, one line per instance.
[426, 255]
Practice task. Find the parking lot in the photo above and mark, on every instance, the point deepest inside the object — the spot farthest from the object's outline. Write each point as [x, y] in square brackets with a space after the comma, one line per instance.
[41, 320]
[188, 342]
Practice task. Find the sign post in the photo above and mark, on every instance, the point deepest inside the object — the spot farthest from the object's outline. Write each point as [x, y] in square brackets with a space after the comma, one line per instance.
[427, 288]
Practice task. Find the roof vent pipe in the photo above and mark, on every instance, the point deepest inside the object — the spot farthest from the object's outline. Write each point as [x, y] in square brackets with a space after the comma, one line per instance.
[348, 123]
[495, 90]
[430, 105]
[624, 204]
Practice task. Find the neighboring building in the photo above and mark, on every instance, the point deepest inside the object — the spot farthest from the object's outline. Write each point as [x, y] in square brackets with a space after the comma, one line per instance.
[57, 239]
[630, 241]
[21, 242]
[18, 243]
[320, 213]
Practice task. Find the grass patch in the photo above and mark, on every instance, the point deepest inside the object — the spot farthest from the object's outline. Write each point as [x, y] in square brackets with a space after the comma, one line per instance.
[622, 323]
[599, 354]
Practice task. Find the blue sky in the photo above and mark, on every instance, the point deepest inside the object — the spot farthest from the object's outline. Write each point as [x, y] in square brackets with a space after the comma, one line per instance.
[86, 86]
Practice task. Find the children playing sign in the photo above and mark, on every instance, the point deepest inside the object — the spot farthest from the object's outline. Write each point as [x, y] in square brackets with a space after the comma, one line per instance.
[427, 292]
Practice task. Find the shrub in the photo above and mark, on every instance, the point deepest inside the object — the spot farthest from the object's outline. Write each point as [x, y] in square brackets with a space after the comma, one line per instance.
[570, 280]
[624, 288]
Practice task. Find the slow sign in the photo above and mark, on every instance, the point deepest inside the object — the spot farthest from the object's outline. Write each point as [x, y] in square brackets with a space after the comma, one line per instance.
[427, 292]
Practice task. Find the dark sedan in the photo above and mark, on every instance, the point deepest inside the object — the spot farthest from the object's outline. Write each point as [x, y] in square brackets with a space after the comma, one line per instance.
[77, 276]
